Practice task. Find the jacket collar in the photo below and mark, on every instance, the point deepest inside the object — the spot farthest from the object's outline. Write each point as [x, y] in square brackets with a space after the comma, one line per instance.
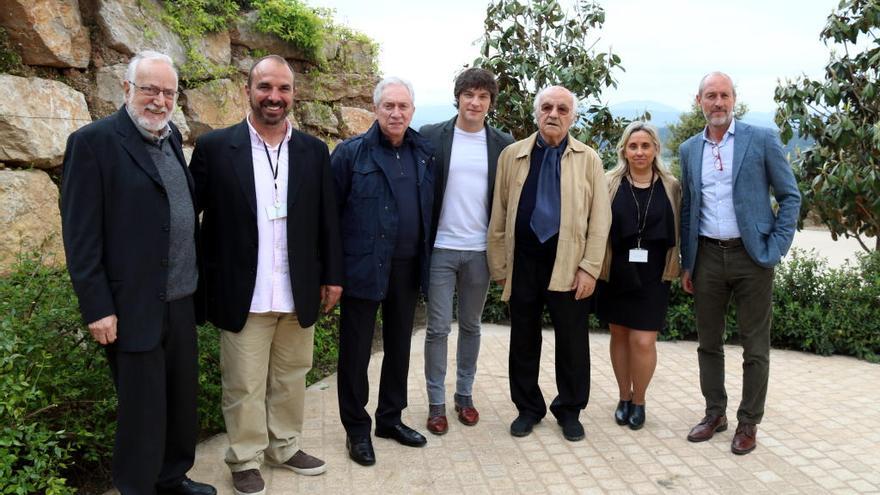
[527, 144]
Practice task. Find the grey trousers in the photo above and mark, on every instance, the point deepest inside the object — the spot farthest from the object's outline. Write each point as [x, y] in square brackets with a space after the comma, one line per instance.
[468, 272]
[720, 273]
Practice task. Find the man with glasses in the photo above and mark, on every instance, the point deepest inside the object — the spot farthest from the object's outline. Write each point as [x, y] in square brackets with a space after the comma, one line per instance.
[129, 226]
[730, 241]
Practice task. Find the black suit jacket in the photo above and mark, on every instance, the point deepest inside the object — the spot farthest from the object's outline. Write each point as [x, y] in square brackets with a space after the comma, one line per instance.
[440, 135]
[115, 220]
[223, 171]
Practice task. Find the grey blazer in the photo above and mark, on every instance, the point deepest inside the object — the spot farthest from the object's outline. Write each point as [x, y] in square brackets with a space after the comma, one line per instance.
[758, 165]
[440, 135]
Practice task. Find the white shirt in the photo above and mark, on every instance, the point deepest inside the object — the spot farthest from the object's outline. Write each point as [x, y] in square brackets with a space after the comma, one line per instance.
[464, 218]
[717, 217]
[272, 291]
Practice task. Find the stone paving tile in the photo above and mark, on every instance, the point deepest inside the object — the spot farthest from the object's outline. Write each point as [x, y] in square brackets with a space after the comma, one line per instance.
[817, 432]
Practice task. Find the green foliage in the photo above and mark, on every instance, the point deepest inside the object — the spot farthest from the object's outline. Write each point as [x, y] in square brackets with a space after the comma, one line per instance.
[57, 400]
[534, 44]
[10, 59]
[815, 308]
[56, 396]
[292, 21]
[839, 175]
[689, 124]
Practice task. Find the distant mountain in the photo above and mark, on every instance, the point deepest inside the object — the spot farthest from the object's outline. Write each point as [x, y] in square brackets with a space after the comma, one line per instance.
[661, 115]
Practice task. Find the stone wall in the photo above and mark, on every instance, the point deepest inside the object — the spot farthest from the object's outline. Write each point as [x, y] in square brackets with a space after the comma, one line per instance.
[74, 55]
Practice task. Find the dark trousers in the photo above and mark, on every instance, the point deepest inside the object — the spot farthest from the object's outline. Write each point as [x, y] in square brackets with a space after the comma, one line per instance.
[719, 273]
[156, 419]
[357, 322]
[529, 295]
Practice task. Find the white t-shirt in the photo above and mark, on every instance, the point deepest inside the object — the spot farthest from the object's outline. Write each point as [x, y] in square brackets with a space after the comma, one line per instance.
[464, 218]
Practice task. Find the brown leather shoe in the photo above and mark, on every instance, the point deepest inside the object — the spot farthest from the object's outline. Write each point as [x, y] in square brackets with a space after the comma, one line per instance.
[467, 415]
[744, 441]
[438, 425]
[707, 428]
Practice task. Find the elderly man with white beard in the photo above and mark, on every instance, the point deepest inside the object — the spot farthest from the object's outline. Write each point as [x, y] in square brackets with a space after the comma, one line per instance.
[129, 227]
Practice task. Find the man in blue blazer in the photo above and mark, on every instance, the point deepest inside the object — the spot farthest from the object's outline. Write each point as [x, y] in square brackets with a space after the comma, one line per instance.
[730, 241]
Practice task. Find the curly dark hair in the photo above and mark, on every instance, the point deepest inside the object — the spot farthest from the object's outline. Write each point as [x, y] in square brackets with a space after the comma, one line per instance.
[475, 78]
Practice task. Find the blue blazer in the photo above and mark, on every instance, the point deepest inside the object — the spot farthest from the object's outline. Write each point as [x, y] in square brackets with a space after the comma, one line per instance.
[758, 165]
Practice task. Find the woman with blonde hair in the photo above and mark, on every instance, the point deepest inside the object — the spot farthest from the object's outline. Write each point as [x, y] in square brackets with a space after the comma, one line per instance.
[641, 260]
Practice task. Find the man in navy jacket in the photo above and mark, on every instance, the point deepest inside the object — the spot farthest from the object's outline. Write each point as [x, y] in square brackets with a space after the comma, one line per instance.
[385, 189]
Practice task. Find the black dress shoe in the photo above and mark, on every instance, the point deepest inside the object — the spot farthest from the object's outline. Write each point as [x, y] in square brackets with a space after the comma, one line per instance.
[637, 417]
[403, 434]
[572, 430]
[522, 425]
[621, 414]
[189, 487]
[360, 450]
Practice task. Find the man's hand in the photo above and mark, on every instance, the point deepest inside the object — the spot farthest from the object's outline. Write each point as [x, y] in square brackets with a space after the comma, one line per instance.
[584, 285]
[330, 296]
[104, 330]
[686, 283]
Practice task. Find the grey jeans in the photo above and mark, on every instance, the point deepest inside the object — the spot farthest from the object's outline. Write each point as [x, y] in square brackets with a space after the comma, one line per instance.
[468, 272]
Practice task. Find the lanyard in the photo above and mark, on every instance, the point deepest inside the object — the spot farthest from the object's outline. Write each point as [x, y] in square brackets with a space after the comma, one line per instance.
[641, 222]
[274, 168]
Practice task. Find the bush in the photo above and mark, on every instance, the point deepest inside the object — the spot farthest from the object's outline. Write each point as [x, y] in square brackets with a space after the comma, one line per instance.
[57, 401]
[815, 308]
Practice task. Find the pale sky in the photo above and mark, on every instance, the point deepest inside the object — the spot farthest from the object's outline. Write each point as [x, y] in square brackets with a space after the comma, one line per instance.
[665, 46]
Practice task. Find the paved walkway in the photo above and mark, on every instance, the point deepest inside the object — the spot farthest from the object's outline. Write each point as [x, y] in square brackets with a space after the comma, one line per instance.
[820, 434]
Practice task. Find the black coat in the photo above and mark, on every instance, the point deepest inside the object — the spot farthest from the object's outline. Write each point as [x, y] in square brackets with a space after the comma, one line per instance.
[223, 171]
[116, 226]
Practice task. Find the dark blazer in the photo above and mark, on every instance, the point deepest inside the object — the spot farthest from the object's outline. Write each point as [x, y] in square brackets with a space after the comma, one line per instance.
[369, 214]
[115, 219]
[759, 165]
[223, 170]
[440, 135]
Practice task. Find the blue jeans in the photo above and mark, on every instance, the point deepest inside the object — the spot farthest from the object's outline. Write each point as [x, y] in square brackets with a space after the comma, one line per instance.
[468, 272]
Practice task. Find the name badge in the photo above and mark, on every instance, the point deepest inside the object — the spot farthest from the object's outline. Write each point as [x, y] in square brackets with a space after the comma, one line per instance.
[276, 211]
[638, 255]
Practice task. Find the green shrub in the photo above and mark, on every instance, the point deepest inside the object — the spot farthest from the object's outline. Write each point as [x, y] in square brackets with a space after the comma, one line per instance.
[56, 396]
[57, 401]
[815, 308]
[292, 21]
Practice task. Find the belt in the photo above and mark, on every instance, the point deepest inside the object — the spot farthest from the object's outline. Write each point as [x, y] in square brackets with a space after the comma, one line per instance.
[722, 243]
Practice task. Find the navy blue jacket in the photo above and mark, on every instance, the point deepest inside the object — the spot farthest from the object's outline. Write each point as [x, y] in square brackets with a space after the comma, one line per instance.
[368, 210]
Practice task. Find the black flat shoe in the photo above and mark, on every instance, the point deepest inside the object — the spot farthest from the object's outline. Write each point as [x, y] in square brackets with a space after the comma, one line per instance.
[360, 450]
[621, 414]
[637, 417]
[403, 434]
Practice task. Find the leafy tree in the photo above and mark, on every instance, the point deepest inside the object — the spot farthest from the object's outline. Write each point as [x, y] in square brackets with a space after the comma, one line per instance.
[690, 123]
[839, 174]
[531, 44]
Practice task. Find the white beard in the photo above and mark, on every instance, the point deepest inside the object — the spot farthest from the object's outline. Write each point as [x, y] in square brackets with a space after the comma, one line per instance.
[144, 123]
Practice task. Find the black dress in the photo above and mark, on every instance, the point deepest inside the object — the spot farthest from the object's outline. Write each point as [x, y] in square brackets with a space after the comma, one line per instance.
[636, 295]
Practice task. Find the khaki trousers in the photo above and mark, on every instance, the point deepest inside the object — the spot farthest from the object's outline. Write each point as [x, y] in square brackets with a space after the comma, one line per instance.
[264, 370]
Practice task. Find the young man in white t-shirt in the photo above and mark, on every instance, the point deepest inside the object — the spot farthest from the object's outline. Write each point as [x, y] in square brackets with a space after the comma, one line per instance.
[466, 152]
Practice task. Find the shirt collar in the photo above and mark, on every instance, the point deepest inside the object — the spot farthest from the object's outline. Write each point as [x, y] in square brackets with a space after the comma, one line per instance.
[731, 130]
[257, 139]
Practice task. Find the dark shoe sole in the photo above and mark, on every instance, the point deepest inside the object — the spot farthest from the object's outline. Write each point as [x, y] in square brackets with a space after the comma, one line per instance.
[698, 440]
[742, 452]
[636, 427]
[439, 433]
[362, 462]
[577, 438]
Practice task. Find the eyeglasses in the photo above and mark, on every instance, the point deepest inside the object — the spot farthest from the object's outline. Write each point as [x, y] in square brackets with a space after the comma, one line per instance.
[716, 154]
[153, 91]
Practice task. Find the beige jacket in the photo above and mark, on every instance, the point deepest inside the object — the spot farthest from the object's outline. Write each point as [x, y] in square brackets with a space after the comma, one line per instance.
[585, 213]
[673, 193]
